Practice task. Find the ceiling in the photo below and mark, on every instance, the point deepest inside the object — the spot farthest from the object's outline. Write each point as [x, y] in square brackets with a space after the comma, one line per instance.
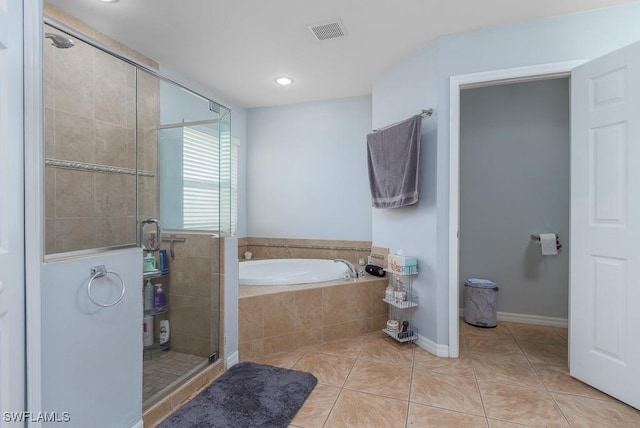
[237, 48]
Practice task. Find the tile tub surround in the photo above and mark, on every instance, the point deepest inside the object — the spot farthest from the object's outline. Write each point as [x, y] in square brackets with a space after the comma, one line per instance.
[286, 248]
[288, 317]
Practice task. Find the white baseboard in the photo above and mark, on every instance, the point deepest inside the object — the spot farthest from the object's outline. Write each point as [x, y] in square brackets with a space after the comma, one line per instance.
[527, 319]
[533, 319]
[429, 345]
[232, 360]
[139, 424]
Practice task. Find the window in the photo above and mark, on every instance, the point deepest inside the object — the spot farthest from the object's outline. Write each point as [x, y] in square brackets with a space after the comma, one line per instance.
[210, 178]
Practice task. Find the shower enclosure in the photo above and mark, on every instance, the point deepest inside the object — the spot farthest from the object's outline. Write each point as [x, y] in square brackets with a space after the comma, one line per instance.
[123, 144]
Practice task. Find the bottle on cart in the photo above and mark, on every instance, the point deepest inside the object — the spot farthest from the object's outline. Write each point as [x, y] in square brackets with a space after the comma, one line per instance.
[388, 293]
[399, 293]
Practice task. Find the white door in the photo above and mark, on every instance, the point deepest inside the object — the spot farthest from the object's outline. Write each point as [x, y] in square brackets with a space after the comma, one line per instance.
[12, 290]
[604, 305]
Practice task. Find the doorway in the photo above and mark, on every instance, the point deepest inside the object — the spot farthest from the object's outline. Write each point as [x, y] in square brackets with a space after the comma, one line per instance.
[457, 84]
[514, 186]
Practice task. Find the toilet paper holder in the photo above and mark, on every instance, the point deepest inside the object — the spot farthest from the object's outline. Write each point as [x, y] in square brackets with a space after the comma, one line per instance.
[536, 238]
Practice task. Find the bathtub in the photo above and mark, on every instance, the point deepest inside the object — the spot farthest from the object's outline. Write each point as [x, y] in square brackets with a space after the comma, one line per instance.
[289, 271]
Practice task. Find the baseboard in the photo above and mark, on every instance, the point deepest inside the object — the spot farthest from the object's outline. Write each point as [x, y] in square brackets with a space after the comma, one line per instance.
[139, 424]
[527, 319]
[232, 360]
[430, 346]
[533, 319]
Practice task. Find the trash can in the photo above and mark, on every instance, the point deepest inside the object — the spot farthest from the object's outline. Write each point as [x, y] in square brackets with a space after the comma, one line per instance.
[480, 302]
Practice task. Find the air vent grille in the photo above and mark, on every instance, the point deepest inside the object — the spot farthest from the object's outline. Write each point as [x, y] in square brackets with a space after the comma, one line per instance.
[328, 30]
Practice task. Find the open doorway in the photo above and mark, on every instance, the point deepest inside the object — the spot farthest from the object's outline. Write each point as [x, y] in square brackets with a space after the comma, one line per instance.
[457, 85]
[514, 186]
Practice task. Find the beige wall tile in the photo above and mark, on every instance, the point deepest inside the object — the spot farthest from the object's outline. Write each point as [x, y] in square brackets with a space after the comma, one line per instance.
[74, 89]
[112, 231]
[49, 133]
[279, 343]
[307, 310]
[253, 349]
[74, 234]
[74, 194]
[115, 195]
[251, 318]
[278, 314]
[335, 308]
[345, 329]
[115, 145]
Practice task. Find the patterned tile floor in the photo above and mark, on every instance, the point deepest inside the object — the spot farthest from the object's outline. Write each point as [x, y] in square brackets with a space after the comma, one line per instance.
[163, 368]
[512, 376]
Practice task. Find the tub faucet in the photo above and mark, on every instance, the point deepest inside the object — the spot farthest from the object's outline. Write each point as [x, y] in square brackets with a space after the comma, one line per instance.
[353, 273]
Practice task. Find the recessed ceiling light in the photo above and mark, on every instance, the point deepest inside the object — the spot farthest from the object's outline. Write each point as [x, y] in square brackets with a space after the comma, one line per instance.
[284, 81]
[109, 1]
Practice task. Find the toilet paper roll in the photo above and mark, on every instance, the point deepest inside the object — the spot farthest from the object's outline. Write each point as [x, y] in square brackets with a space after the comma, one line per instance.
[548, 244]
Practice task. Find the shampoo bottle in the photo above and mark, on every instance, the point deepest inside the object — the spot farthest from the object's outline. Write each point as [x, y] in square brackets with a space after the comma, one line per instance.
[148, 297]
[160, 300]
[147, 330]
[148, 263]
[164, 333]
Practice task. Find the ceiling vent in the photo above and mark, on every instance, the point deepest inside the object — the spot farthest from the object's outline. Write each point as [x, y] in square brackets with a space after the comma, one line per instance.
[328, 29]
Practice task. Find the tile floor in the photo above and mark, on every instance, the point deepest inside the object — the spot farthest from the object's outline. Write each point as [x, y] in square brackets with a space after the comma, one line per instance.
[512, 376]
[163, 368]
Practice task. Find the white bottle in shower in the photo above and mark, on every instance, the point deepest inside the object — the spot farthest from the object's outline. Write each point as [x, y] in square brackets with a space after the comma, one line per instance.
[147, 330]
[148, 297]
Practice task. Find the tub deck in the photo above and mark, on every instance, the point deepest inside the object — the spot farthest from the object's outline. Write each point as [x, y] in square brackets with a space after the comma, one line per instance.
[259, 290]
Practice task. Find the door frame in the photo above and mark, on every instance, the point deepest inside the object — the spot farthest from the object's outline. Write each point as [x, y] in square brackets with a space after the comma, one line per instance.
[456, 84]
[34, 199]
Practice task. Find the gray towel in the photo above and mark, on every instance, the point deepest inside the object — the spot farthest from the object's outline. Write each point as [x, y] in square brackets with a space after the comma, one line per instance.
[393, 154]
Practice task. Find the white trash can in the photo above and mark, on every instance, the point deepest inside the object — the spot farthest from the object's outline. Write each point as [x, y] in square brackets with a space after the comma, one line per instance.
[480, 302]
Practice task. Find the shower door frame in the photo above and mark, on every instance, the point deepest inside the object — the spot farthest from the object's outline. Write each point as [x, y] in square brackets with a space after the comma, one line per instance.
[33, 20]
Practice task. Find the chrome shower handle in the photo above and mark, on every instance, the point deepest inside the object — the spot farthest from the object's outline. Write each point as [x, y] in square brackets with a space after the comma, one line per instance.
[158, 234]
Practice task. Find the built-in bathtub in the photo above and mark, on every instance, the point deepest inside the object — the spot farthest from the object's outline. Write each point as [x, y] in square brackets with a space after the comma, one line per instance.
[290, 271]
[274, 316]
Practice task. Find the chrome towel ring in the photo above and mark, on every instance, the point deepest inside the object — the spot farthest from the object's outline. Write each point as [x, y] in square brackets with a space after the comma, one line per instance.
[99, 272]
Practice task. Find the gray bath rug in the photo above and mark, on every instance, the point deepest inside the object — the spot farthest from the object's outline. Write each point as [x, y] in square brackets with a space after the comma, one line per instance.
[247, 395]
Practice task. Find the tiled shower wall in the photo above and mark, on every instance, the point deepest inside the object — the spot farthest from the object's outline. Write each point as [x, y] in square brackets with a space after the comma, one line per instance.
[194, 293]
[90, 123]
[286, 248]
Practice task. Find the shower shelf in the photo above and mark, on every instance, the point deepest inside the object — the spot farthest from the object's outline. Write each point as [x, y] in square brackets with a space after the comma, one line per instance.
[163, 278]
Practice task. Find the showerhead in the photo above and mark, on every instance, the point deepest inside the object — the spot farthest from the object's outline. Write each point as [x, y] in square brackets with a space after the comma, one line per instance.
[59, 41]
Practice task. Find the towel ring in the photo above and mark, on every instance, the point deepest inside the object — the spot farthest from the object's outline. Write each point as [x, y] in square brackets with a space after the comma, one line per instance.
[99, 272]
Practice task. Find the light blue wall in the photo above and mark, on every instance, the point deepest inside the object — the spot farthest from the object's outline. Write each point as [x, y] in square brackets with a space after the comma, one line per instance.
[405, 90]
[514, 182]
[579, 36]
[307, 170]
